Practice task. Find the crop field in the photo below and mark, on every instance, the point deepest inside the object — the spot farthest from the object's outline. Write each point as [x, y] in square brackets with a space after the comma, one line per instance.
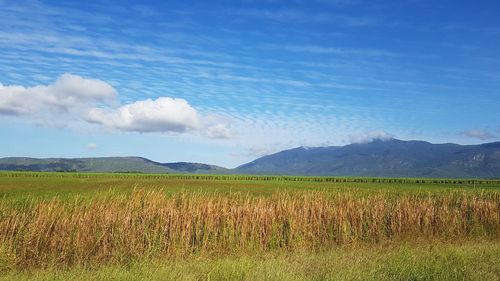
[228, 227]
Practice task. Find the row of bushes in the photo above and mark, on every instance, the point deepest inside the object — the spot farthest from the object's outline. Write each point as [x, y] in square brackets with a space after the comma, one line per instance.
[135, 175]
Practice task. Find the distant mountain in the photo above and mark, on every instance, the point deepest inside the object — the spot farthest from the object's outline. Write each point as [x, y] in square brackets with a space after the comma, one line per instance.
[390, 158]
[195, 168]
[379, 158]
[105, 164]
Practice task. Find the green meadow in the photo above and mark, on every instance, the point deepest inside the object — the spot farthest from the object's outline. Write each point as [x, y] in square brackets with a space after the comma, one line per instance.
[60, 226]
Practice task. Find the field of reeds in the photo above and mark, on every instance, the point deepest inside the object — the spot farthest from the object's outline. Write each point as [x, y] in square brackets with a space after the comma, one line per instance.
[119, 222]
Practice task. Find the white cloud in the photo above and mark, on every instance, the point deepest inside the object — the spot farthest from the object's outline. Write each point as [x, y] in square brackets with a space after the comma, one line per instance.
[370, 136]
[69, 94]
[91, 146]
[478, 134]
[73, 98]
[161, 115]
[218, 131]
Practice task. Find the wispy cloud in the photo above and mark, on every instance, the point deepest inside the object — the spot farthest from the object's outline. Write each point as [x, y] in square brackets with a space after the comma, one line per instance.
[282, 15]
[478, 134]
[144, 10]
[337, 51]
[295, 15]
[370, 136]
[218, 131]
[91, 146]
[255, 151]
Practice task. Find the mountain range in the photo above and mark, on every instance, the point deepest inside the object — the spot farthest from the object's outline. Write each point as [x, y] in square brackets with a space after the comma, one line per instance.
[378, 158]
[105, 164]
[384, 158]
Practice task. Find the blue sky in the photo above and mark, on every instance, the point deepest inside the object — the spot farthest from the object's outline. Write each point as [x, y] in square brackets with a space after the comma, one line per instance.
[224, 82]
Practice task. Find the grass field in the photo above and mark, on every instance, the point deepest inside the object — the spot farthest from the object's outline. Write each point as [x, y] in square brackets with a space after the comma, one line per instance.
[187, 227]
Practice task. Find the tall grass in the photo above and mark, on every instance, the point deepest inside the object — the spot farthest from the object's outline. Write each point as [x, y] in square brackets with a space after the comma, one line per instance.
[122, 228]
[464, 261]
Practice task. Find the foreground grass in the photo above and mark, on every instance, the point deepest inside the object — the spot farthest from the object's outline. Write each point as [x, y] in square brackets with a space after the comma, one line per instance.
[109, 227]
[473, 260]
[122, 228]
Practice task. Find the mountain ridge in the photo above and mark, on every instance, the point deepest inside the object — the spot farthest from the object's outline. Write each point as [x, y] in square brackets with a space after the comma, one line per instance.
[378, 158]
[383, 158]
[104, 164]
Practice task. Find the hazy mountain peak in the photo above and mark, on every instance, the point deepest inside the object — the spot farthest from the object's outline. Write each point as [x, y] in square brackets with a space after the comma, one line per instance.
[384, 157]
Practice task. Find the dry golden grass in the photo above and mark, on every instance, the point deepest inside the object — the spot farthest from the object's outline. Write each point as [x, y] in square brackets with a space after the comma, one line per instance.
[121, 228]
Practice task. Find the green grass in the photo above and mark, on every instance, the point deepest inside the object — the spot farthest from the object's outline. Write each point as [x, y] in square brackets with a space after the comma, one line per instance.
[473, 257]
[69, 185]
[476, 260]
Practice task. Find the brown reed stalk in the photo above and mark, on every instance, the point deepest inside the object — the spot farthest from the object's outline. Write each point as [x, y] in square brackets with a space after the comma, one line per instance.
[120, 228]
